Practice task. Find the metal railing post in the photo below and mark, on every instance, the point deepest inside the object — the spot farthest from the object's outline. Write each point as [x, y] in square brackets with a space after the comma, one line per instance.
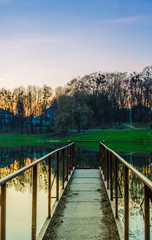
[3, 212]
[70, 158]
[34, 203]
[57, 176]
[67, 156]
[103, 160]
[116, 188]
[111, 178]
[105, 163]
[146, 213]
[107, 169]
[63, 169]
[100, 160]
[49, 188]
[126, 204]
[73, 154]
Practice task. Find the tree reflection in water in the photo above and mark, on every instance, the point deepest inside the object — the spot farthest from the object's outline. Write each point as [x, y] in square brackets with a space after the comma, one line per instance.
[19, 189]
[86, 158]
[12, 159]
[143, 163]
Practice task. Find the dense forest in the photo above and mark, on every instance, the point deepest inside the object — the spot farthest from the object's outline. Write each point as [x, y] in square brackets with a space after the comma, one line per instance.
[94, 100]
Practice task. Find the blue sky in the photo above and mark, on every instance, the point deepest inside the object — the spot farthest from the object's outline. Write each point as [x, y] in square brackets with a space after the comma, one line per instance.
[52, 41]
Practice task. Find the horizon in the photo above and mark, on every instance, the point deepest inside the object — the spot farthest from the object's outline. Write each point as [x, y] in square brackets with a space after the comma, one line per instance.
[77, 77]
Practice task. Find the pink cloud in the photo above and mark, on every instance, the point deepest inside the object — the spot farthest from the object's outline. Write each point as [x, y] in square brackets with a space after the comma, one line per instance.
[127, 20]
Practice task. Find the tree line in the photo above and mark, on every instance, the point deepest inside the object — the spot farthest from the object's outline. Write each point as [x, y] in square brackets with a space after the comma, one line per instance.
[94, 100]
[25, 104]
[101, 99]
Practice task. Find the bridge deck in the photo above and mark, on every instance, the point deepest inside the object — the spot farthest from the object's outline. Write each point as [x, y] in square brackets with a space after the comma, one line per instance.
[86, 213]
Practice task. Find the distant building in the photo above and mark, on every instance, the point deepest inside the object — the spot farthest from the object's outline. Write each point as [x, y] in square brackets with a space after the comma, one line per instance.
[6, 118]
[46, 119]
[49, 112]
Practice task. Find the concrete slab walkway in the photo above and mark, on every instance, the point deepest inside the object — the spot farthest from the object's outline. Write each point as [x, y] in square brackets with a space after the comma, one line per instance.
[86, 213]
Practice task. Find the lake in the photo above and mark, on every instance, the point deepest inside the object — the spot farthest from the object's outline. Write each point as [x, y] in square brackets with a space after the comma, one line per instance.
[19, 190]
[143, 163]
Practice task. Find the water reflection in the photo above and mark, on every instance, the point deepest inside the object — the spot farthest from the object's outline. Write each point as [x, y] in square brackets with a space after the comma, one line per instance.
[142, 162]
[86, 158]
[19, 189]
[14, 158]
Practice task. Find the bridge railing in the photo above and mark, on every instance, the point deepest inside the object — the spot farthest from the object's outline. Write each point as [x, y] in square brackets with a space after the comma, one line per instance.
[66, 154]
[108, 158]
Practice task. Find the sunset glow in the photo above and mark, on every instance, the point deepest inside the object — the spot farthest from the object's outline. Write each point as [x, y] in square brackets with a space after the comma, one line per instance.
[50, 42]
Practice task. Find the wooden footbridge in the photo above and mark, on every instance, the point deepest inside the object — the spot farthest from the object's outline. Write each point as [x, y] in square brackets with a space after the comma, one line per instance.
[83, 216]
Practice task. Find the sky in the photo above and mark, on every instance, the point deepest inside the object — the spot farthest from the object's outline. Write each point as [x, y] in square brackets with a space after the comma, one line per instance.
[53, 41]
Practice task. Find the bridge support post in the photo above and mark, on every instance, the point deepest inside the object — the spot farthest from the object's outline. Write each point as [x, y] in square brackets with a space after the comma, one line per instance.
[104, 160]
[63, 169]
[146, 213]
[67, 158]
[126, 204]
[73, 155]
[105, 165]
[57, 176]
[107, 169]
[34, 203]
[71, 158]
[111, 179]
[49, 188]
[116, 188]
[3, 212]
[100, 156]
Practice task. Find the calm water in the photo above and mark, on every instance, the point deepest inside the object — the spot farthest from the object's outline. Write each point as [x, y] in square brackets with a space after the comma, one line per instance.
[19, 190]
[143, 163]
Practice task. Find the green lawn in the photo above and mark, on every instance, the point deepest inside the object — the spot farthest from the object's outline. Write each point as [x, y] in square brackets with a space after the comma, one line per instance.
[132, 135]
[128, 140]
[24, 139]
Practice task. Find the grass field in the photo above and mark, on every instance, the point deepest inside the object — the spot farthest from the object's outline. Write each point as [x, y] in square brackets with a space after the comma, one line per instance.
[128, 140]
[132, 135]
[24, 139]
